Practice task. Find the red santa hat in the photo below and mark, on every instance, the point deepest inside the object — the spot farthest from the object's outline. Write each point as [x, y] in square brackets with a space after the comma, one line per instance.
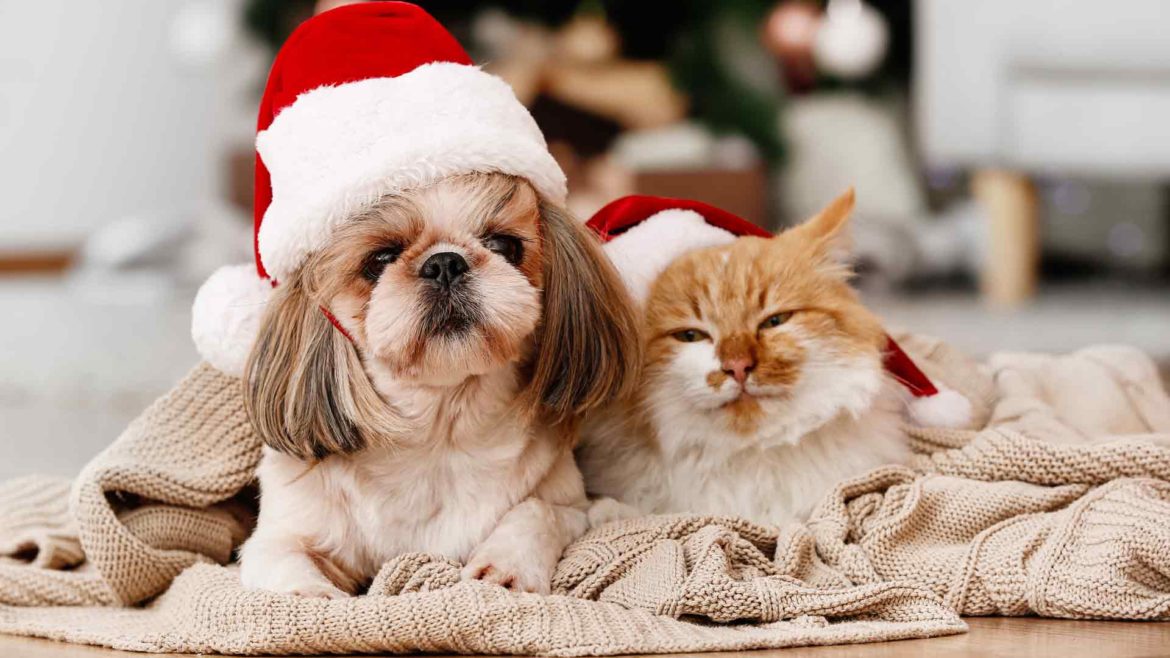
[643, 235]
[362, 101]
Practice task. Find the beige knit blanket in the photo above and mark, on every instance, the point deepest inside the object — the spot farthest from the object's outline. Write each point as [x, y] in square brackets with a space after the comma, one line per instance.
[1059, 507]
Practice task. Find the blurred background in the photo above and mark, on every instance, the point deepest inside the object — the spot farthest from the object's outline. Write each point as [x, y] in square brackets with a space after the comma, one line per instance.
[1011, 159]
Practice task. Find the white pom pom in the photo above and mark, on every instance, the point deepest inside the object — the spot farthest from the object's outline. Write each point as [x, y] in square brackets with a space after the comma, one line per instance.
[646, 249]
[225, 318]
[947, 408]
[852, 40]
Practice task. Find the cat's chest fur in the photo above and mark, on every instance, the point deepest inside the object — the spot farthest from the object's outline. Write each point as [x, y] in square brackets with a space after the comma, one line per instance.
[727, 474]
[780, 484]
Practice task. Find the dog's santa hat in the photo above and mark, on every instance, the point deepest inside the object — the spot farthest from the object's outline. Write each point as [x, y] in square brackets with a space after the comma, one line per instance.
[362, 101]
[643, 235]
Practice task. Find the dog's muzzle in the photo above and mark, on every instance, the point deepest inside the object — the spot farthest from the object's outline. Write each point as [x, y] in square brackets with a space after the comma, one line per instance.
[452, 304]
[445, 269]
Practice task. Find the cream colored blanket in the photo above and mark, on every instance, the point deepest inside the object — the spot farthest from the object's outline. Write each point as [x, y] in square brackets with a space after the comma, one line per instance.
[1059, 507]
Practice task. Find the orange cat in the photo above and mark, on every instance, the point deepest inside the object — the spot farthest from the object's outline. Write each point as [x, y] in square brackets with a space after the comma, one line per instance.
[763, 385]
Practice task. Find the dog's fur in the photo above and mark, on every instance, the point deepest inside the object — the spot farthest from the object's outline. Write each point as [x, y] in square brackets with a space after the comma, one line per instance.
[809, 406]
[443, 419]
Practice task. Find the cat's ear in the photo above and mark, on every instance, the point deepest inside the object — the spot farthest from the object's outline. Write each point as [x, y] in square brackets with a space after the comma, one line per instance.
[828, 231]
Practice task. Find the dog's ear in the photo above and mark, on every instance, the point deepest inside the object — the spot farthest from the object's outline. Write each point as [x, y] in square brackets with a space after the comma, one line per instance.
[299, 380]
[588, 346]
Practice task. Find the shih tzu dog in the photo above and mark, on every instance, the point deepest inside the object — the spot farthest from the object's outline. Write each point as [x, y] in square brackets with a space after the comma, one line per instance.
[417, 385]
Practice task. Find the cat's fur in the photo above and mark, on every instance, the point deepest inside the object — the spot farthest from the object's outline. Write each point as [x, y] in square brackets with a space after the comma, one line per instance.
[816, 405]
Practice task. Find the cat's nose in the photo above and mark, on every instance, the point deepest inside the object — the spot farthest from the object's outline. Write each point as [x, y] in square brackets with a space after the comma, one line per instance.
[739, 368]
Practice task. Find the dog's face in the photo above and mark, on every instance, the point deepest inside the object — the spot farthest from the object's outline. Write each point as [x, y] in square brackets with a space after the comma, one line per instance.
[433, 287]
[441, 285]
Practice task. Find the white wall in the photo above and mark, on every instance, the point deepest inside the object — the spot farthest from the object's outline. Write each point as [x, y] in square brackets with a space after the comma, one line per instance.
[1070, 86]
[106, 109]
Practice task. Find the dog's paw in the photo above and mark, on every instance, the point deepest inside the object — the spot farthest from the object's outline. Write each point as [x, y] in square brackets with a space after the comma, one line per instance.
[311, 590]
[290, 575]
[518, 573]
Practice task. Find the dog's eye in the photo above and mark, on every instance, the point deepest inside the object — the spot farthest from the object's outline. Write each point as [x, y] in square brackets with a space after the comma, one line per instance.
[690, 336]
[775, 320]
[508, 246]
[377, 261]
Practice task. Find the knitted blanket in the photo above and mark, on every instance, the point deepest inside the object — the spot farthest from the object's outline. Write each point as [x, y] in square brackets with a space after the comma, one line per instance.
[1056, 507]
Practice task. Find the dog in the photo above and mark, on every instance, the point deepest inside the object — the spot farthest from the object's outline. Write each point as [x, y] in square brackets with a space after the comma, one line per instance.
[417, 386]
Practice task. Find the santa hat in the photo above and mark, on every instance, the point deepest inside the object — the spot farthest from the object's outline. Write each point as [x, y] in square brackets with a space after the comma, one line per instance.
[643, 235]
[363, 101]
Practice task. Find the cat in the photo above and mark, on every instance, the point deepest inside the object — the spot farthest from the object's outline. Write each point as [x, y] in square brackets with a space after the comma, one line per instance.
[763, 384]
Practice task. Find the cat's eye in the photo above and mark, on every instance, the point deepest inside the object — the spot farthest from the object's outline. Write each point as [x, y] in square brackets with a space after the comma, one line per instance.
[690, 336]
[508, 246]
[775, 320]
[377, 261]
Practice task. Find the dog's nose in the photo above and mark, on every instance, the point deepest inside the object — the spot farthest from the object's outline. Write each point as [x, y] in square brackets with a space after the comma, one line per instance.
[738, 368]
[444, 268]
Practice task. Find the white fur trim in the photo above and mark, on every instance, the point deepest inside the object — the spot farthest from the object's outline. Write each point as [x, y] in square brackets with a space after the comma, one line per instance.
[648, 248]
[337, 150]
[947, 408]
[225, 317]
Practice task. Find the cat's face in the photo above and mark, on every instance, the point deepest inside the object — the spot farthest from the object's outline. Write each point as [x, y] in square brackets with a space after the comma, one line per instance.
[763, 333]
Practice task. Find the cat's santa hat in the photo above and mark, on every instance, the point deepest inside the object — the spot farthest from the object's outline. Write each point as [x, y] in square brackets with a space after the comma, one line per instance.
[643, 235]
[363, 101]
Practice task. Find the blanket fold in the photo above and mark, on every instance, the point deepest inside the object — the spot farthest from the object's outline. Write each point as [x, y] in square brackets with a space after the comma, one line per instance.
[1055, 504]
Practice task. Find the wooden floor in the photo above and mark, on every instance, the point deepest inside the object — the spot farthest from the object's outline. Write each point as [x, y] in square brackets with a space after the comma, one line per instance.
[1002, 637]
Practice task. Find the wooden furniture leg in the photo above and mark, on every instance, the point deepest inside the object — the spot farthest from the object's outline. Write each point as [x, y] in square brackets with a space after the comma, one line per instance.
[1011, 268]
